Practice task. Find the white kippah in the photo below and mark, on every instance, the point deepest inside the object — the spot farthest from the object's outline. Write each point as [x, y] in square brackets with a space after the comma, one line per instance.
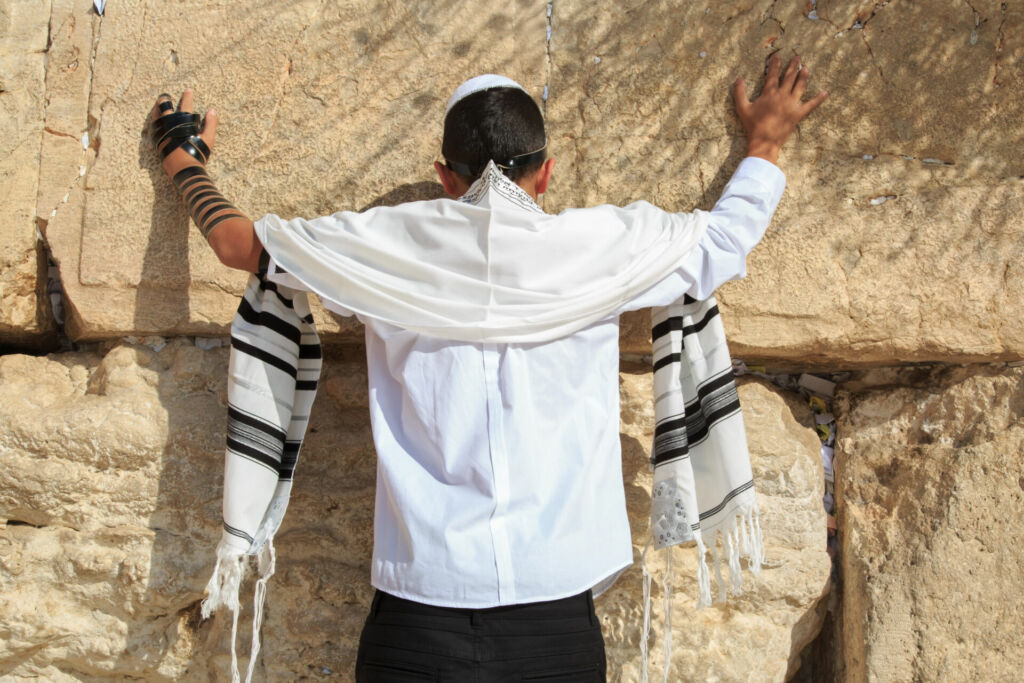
[478, 83]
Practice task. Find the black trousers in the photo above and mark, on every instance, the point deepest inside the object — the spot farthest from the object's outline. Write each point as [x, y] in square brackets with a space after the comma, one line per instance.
[548, 642]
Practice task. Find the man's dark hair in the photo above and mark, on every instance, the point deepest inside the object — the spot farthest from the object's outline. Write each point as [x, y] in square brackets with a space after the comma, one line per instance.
[494, 124]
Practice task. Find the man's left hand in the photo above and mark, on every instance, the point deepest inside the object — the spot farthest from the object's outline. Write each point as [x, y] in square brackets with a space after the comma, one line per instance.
[179, 158]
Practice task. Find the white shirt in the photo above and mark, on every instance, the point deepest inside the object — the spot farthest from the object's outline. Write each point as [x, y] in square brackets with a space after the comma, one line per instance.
[498, 464]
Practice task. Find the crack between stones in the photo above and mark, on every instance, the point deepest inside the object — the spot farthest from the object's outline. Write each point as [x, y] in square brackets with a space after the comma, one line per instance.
[769, 15]
[5, 524]
[55, 280]
[549, 11]
[857, 24]
[94, 123]
[871, 55]
[1000, 38]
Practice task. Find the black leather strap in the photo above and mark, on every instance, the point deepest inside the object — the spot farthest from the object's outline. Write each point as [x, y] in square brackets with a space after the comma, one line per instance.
[186, 173]
[166, 123]
[180, 129]
[195, 146]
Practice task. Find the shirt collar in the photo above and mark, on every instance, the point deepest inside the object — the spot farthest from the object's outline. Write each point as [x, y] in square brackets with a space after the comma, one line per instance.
[493, 189]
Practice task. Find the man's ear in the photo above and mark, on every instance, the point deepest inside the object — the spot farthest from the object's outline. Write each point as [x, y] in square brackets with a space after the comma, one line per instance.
[448, 180]
[544, 175]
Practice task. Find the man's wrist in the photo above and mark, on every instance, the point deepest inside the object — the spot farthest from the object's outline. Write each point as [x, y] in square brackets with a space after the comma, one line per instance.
[764, 149]
[178, 160]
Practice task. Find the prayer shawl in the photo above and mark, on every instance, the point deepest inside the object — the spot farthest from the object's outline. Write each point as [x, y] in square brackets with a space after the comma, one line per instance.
[703, 487]
[472, 292]
[273, 372]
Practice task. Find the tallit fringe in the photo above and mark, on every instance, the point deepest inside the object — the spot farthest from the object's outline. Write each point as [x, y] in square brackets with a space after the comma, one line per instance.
[666, 646]
[740, 536]
[223, 590]
[647, 613]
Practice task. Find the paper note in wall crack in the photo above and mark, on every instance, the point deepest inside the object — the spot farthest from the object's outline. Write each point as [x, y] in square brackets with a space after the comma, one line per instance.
[98, 4]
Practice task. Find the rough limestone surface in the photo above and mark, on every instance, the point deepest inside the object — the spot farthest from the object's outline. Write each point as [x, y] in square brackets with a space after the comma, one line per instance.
[110, 464]
[898, 238]
[931, 491]
[23, 30]
[332, 106]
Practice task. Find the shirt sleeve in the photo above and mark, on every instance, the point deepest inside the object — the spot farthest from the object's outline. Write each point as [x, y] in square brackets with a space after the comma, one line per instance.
[735, 225]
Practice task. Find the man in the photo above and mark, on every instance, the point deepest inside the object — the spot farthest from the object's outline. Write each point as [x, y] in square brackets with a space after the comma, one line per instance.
[492, 350]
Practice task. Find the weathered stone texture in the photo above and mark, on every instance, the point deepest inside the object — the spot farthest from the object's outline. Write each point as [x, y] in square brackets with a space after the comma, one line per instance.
[931, 489]
[898, 238]
[23, 30]
[333, 106]
[109, 485]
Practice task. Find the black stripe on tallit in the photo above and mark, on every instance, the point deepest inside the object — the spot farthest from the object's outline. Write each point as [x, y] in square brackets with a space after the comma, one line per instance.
[717, 400]
[254, 454]
[701, 432]
[306, 385]
[663, 456]
[254, 435]
[269, 286]
[307, 351]
[667, 360]
[729, 496]
[265, 356]
[255, 422]
[678, 449]
[675, 323]
[238, 532]
[288, 459]
[705, 392]
[270, 321]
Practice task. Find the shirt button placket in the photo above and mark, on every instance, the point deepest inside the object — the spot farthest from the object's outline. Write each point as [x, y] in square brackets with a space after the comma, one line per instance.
[500, 475]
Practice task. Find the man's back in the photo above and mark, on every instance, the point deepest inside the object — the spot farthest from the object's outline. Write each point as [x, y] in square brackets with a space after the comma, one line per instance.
[499, 477]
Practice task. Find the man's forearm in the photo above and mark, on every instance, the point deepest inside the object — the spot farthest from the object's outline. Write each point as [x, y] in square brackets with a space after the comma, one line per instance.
[205, 203]
[229, 232]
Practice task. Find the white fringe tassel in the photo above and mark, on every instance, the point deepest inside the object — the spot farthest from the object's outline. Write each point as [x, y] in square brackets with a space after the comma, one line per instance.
[703, 574]
[667, 639]
[223, 590]
[740, 537]
[267, 563]
[647, 613]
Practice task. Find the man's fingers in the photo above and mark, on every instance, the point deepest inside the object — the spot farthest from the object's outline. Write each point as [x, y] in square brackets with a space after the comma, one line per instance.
[162, 101]
[185, 105]
[789, 78]
[209, 131]
[801, 82]
[813, 103]
[739, 95]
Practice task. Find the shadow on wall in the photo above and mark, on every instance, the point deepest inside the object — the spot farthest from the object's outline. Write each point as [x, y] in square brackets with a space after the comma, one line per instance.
[646, 100]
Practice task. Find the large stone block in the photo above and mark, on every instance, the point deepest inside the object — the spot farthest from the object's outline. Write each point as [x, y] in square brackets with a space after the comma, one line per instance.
[334, 106]
[110, 490]
[24, 313]
[898, 238]
[931, 510]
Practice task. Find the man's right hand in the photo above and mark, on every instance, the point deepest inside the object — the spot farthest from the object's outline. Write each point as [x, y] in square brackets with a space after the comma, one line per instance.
[770, 119]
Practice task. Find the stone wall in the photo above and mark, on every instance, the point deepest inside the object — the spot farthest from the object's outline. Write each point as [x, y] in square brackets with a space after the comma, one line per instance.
[110, 495]
[896, 252]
